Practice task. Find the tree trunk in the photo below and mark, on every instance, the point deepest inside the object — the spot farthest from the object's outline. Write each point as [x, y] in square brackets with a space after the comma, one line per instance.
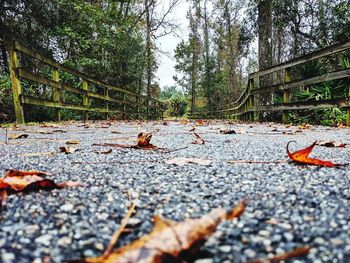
[265, 48]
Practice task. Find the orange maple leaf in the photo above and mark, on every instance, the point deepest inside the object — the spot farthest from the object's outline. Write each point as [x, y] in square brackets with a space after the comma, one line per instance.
[302, 156]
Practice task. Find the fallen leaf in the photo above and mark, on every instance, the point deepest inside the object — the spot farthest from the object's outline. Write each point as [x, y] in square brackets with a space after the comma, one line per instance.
[116, 132]
[104, 152]
[298, 252]
[170, 241]
[227, 131]
[17, 136]
[73, 142]
[44, 132]
[143, 140]
[51, 125]
[192, 129]
[199, 122]
[19, 181]
[305, 126]
[67, 149]
[302, 156]
[59, 131]
[199, 139]
[165, 123]
[184, 122]
[330, 144]
[182, 161]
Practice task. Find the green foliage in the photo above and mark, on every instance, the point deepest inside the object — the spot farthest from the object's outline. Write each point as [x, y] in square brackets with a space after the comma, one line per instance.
[175, 101]
[6, 101]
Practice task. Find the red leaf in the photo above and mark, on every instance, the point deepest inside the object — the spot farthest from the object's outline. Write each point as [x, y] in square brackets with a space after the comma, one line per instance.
[302, 156]
[24, 181]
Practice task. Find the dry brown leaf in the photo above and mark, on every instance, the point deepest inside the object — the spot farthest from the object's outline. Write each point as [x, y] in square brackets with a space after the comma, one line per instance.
[298, 252]
[199, 139]
[181, 161]
[17, 136]
[302, 156]
[19, 181]
[331, 144]
[104, 152]
[67, 149]
[73, 142]
[227, 131]
[59, 131]
[44, 132]
[51, 125]
[184, 122]
[170, 241]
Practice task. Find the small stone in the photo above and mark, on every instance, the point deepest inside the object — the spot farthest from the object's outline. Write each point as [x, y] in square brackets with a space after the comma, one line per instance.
[336, 242]
[250, 253]
[7, 257]
[319, 240]
[264, 233]
[44, 239]
[288, 236]
[225, 249]
[204, 260]
[67, 207]
[134, 221]
[31, 229]
[64, 241]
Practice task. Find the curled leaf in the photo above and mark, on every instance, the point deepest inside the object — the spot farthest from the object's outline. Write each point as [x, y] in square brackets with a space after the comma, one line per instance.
[143, 140]
[227, 131]
[170, 241]
[302, 156]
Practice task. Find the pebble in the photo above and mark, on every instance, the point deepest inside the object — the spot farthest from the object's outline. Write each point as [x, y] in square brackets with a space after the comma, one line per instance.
[290, 205]
[44, 240]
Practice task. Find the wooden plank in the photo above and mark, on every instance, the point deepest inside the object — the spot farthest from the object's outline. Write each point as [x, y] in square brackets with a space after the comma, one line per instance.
[37, 78]
[41, 102]
[307, 105]
[307, 82]
[286, 94]
[56, 93]
[38, 56]
[305, 58]
[85, 87]
[16, 86]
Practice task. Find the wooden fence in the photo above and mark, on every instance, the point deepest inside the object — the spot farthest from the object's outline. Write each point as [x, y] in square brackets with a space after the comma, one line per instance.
[284, 79]
[115, 100]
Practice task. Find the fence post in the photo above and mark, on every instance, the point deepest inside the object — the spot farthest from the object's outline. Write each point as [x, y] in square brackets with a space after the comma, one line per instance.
[85, 87]
[16, 85]
[106, 93]
[252, 101]
[56, 93]
[124, 107]
[286, 94]
[348, 110]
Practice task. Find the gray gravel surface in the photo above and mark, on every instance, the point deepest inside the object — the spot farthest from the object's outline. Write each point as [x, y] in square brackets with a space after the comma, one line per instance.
[291, 205]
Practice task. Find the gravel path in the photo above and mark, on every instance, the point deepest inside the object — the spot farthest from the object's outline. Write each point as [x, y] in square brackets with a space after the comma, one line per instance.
[291, 205]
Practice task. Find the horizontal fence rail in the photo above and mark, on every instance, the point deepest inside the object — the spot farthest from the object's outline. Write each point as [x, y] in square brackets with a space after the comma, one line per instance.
[91, 93]
[283, 80]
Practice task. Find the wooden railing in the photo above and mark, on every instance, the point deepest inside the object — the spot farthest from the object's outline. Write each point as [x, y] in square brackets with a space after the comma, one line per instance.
[91, 93]
[284, 80]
